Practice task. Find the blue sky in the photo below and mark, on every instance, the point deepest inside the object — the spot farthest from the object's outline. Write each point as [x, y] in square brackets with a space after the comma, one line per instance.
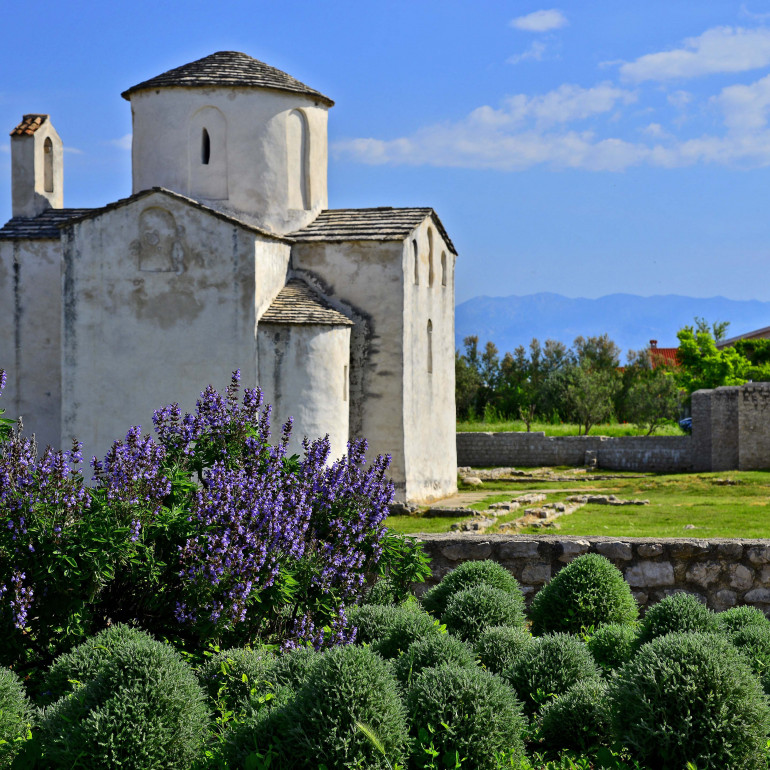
[583, 148]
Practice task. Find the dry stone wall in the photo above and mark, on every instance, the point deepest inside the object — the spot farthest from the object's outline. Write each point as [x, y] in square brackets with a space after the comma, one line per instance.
[664, 454]
[722, 573]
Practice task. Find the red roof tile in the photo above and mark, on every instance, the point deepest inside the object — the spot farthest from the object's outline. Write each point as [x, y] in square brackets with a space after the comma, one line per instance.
[29, 125]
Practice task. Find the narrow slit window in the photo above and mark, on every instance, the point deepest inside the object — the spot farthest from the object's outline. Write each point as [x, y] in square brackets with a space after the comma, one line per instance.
[205, 147]
[345, 383]
[430, 346]
[443, 268]
[48, 165]
[416, 263]
[431, 274]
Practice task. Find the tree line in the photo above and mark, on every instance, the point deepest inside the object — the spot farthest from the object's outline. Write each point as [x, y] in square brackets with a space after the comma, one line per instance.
[586, 384]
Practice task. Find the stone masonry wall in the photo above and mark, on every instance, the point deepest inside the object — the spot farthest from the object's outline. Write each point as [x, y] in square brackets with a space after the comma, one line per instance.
[753, 421]
[631, 453]
[722, 573]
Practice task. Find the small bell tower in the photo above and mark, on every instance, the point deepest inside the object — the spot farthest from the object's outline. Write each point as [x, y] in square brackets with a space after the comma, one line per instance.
[36, 167]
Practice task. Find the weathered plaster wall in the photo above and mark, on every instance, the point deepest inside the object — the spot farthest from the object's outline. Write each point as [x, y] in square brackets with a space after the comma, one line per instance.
[631, 453]
[159, 301]
[30, 296]
[429, 366]
[365, 280]
[303, 372]
[252, 128]
[723, 573]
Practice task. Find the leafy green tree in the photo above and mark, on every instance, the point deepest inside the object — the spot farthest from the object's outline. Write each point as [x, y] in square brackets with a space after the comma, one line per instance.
[703, 365]
[653, 399]
[589, 396]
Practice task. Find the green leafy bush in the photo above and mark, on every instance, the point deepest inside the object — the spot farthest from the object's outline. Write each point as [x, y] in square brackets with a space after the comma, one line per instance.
[467, 575]
[612, 645]
[350, 686]
[292, 667]
[587, 592]
[676, 613]
[499, 647]
[753, 642]
[230, 676]
[390, 629]
[548, 668]
[739, 617]
[15, 716]
[143, 709]
[471, 611]
[690, 697]
[463, 712]
[579, 719]
[84, 662]
[430, 652]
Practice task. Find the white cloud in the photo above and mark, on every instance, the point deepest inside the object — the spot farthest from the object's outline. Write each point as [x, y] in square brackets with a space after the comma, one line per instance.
[679, 99]
[535, 52]
[721, 49]
[73, 150]
[5, 148]
[540, 21]
[527, 131]
[124, 143]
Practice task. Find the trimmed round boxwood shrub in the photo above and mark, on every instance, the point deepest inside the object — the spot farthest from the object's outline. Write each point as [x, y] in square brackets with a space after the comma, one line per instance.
[15, 715]
[678, 613]
[382, 592]
[737, 618]
[144, 709]
[350, 686]
[83, 662]
[579, 719]
[466, 575]
[589, 591]
[753, 642]
[475, 609]
[430, 652]
[292, 667]
[499, 647]
[612, 645]
[548, 668]
[690, 697]
[230, 676]
[464, 710]
[390, 629]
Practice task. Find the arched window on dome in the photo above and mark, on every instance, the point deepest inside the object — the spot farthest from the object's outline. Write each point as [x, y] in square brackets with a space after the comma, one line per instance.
[207, 154]
[205, 147]
[443, 268]
[297, 160]
[48, 165]
[430, 346]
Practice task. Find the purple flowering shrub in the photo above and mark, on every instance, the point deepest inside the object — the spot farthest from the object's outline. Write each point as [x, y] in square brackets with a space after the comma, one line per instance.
[209, 533]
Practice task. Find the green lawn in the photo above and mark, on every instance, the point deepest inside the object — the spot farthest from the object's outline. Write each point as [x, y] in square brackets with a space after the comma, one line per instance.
[564, 429]
[676, 501]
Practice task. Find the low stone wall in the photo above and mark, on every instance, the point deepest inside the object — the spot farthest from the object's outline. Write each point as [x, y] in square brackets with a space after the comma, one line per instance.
[722, 573]
[666, 454]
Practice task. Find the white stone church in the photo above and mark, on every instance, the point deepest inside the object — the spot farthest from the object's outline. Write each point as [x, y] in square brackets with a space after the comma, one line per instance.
[226, 256]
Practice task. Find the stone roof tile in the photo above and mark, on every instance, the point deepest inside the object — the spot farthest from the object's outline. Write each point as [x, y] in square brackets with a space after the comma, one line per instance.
[298, 303]
[43, 226]
[29, 124]
[378, 224]
[228, 69]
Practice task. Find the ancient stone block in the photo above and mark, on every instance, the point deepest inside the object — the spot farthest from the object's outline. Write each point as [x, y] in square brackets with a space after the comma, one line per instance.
[615, 551]
[704, 573]
[648, 550]
[641, 598]
[536, 573]
[571, 549]
[723, 600]
[759, 554]
[759, 595]
[648, 574]
[467, 550]
[741, 577]
[518, 549]
[686, 548]
[731, 551]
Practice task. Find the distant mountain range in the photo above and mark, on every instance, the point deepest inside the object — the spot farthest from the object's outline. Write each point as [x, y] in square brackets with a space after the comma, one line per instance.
[630, 320]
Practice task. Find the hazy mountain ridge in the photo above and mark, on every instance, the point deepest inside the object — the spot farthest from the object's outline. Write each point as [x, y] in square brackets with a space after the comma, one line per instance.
[630, 320]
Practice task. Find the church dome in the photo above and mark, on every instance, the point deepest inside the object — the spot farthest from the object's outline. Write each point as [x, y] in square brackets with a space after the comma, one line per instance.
[229, 69]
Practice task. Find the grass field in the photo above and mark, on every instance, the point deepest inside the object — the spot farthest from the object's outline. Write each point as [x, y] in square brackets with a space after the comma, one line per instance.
[564, 429]
[676, 501]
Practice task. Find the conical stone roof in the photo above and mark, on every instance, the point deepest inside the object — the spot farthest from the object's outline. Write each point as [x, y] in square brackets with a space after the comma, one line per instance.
[228, 69]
